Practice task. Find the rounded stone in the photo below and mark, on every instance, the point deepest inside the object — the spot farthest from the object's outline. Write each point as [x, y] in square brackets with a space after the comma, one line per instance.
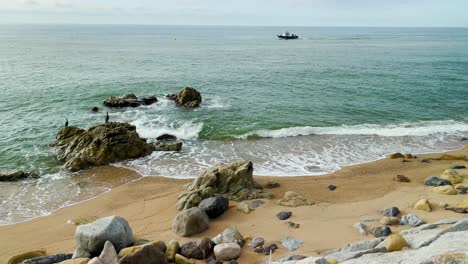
[227, 251]
[395, 242]
[190, 222]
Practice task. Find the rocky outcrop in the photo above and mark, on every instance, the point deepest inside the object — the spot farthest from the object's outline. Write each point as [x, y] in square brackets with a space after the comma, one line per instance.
[233, 181]
[99, 145]
[129, 100]
[187, 98]
[190, 222]
[16, 176]
[90, 238]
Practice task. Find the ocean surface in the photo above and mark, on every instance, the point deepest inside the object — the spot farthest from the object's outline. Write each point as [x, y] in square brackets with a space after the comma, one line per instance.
[334, 97]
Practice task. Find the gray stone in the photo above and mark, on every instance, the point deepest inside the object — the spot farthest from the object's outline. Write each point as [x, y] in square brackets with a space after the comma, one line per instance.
[227, 251]
[229, 235]
[381, 231]
[436, 181]
[392, 211]
[291, 243]
[90, 238]
[256, 242]
[108, 254]
[214, 206]
[167, 146]
[190, 222]
[255, 204]
[422, 238]
[51, 259]
[418, 229]
[284, 215]
[411, 220]
[361, 228]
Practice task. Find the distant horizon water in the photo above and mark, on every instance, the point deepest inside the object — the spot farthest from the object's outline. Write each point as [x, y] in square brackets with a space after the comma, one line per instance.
[337, 96]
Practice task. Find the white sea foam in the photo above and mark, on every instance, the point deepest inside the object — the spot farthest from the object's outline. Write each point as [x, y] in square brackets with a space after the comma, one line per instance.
[422, 128]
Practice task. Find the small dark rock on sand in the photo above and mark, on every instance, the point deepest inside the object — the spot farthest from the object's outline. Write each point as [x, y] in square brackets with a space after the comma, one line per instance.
[265, 250]
[272, 184]
[331, 187]
[436, 181]
[457, 167]
[392, 211]
[284, 215]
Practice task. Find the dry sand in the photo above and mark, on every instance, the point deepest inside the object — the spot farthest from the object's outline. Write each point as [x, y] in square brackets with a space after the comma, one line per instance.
[149, 206]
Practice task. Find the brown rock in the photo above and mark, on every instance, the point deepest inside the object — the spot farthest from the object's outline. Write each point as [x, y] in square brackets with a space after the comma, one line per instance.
[401, 178]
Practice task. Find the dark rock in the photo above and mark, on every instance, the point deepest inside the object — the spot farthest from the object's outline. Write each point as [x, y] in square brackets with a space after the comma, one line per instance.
[462, 189]
[166, 137]
[160, 146]
[331, 187]
[392, 211]
[99, 145]
[436, 181]
[396, 156]
[51, 259]
[322, 261]
[18, 175]
[457, 210]
[272, 184]
[187, 98]
[256, 242]
[457, 167]
[214, 206]
[232, 180]
[296, 257]
[233, 262]
[401, 178]
[190, 222]
[90, 238]
[283, 215]
[129, 100]
[255, 204]
[381, 231]
[426, 161]
[293, 225]
[95, 109]
[464, 139]
[199, 249]
[265, 250]
[148, 254]
[212, 260]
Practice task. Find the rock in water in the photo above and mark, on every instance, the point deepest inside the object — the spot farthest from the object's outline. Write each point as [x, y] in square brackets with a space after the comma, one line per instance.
[99, 145]
[16, 176]
[166, 137]
[199, 249]
[129, 100]
[214, 206]
[187, 98]
[411, 220]
[160, 146]
[90, 238]
[293, 199]
[436, 181]
[190, 222]
[229, 235]
[148, 254]
[392, 211]
[227, 251]
[424, 205]
[233, 181]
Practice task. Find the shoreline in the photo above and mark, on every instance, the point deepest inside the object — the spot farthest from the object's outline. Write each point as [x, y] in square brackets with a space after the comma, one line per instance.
[148, 202]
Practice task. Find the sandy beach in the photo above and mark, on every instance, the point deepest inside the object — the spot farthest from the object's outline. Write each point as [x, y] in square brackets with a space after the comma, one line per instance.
[148, 204]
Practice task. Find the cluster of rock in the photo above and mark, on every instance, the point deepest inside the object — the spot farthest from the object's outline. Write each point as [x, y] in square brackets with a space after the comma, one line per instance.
[129, 100]
[187, 98]
[16, 176]
[99, 145]
[449, 183]
[233, 181]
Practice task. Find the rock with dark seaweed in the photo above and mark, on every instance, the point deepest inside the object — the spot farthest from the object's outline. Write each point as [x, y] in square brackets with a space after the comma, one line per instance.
[129, 100]
[187, 98]
[16, 176]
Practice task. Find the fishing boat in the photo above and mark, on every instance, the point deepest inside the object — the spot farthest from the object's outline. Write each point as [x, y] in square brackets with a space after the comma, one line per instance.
[287, 35]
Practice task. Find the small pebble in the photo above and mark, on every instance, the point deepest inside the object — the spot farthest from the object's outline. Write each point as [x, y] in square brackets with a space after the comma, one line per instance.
[331, 187]
[293, 225]
[457, 167]
[425, 161]
[284, 215]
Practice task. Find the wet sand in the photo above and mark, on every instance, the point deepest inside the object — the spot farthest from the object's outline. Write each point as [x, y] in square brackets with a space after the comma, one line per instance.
[149, 205]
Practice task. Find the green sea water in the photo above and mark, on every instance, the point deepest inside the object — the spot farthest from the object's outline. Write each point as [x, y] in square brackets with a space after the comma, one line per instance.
[334, 97]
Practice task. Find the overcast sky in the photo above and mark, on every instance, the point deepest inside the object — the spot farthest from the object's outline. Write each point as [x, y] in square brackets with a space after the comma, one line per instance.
[429, 13]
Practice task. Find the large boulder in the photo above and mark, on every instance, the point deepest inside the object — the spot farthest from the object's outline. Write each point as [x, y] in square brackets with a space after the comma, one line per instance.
[129, 100]
[187, 98]
[90, 238]
[99, 145]
[16, 176]
[148, 254]
[233, 181]
[190, 222]
[214, 206]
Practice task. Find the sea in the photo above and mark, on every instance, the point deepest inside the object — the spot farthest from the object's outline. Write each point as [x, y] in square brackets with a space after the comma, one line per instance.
[336, 96]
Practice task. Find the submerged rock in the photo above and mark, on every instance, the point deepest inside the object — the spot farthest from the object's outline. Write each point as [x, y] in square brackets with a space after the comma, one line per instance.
[16, 176]
[164, 146]
[166, 137]
[233, 181]
[190, 222]
[99, 145]
[187, 98]
[129, 100]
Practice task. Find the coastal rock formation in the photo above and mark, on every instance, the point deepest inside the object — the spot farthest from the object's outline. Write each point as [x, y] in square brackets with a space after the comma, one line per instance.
[90, 238]
[16, 176]
[233, 181]
[187, 98]
[190, 222]
[129, 100]
[167, 146]
[99, 145]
